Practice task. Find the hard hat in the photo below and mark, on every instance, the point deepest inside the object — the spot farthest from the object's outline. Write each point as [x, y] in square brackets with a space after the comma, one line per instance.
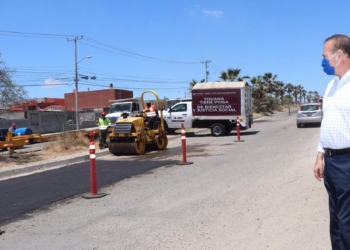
[13, 124]
[103, 113]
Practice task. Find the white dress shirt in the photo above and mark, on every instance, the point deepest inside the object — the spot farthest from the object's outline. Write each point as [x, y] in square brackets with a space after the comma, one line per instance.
[335, 127]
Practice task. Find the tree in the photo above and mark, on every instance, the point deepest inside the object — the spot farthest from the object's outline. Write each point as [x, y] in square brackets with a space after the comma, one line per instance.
[296, 92]
[316, 96]
[194, 82]
[270, 80]
[301, 90]
[289, 89]
[232, 75]
[10, 93]
[279, 90]
[303, 93]
[310, 98]
[258, 91]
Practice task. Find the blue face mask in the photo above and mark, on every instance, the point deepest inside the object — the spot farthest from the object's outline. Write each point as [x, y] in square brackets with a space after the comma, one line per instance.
[328, 69]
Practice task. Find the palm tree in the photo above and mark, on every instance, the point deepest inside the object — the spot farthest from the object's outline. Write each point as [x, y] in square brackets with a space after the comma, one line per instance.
[289, 89]
[270, 80]
[303, 93]
[310, 98]
[232, 75]
[259, 91]
[194, 82]
[316, 96]
[296, 91]
[279, 91]
[300, 91]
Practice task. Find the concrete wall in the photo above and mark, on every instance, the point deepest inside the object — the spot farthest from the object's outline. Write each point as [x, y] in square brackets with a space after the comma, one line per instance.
[45, 122]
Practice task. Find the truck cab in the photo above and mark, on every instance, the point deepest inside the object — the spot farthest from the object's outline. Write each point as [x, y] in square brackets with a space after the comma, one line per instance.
[172, 102]
[179, 113]
[130, 106]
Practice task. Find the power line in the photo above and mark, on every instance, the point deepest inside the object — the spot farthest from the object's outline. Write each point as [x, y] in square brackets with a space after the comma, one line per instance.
[91, 40]
[136, 54]
[59, 74]
[91, 84]
[46, 35]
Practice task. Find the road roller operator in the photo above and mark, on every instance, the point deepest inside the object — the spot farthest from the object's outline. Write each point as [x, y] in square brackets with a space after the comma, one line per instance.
[151, 113]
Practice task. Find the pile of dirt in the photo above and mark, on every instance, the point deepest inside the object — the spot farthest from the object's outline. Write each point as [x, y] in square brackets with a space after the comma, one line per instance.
[19, 159]
[66, 144]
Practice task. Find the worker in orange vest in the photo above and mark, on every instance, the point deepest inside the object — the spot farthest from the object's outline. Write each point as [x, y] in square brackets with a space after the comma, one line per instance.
[151, 113]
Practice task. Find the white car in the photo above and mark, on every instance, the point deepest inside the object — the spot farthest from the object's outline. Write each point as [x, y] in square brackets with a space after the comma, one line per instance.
[309, 113]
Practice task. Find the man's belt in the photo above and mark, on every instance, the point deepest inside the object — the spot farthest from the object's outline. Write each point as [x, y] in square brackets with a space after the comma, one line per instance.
[332, 152]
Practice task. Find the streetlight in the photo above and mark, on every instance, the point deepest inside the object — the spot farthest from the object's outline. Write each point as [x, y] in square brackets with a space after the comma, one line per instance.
[89, 56]
[76, 88]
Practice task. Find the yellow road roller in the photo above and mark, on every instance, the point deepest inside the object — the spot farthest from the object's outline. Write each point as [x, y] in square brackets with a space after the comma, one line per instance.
[130, 135]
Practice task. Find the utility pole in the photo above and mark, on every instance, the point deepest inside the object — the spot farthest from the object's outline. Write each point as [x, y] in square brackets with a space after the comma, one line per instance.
[76, 80]
[206, 69]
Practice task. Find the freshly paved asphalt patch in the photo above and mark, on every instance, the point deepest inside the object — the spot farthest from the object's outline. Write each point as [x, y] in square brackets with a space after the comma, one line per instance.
[25, 194]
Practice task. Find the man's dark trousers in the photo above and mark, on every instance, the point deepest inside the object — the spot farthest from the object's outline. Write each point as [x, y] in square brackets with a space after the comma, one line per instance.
[337, 182]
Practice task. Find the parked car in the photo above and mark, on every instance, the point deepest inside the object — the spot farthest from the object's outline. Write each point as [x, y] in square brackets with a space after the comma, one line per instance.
[309, 113]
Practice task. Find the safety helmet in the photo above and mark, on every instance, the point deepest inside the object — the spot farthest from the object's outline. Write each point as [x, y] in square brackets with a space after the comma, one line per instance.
[103, 113]
[13, 124]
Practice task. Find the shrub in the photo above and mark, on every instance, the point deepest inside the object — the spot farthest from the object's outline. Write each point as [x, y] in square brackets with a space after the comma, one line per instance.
[68, 142]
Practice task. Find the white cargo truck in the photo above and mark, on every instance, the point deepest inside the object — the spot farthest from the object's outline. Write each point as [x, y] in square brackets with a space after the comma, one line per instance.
[214, 105]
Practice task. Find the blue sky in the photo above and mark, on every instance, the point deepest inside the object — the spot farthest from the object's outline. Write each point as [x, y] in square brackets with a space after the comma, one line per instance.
[161, 45]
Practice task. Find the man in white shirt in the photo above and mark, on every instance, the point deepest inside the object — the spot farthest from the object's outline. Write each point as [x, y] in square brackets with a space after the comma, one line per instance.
[333, 157]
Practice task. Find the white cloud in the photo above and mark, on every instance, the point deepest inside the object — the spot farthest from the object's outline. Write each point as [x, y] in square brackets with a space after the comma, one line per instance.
[53, 82]
[215, 13]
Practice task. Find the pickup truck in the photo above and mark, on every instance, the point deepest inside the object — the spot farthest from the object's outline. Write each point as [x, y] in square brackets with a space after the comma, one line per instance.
[215, 105]
[129, 105]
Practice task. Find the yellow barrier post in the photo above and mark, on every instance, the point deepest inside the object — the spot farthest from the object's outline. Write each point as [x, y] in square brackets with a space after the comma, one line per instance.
[11, 150]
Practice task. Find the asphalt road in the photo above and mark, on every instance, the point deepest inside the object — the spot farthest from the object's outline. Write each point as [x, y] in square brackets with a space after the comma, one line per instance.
[25, 194]
[256, 194]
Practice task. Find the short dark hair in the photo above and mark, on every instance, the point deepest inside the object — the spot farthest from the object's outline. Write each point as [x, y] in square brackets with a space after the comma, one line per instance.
[341, 42]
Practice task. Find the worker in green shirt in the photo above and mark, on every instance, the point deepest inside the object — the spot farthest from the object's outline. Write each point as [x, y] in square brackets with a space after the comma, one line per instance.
[103, 123]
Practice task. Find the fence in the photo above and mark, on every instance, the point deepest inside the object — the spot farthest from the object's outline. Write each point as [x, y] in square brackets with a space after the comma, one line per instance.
[44, 122]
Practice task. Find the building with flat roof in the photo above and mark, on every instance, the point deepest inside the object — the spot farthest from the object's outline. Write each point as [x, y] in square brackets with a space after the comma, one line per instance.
[95, 99]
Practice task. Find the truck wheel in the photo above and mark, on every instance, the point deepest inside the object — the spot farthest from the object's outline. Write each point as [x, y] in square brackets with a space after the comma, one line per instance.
[218, 129]
[169, 130]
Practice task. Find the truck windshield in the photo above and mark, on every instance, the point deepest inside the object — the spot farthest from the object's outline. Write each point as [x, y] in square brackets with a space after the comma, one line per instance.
[120, 107]
[180, 108]
[171, 103]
